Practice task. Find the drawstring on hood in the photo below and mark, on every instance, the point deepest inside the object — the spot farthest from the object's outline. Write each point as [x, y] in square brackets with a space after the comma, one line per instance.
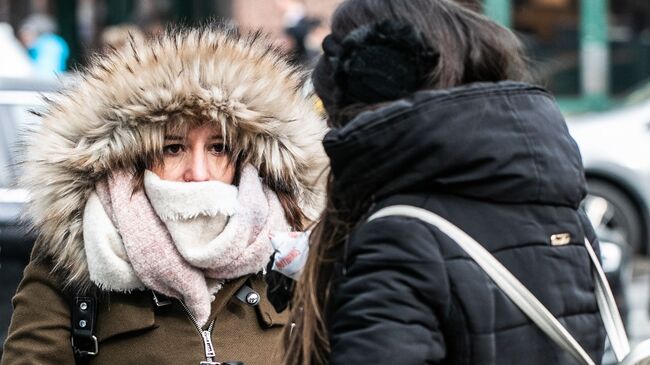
[114, 119]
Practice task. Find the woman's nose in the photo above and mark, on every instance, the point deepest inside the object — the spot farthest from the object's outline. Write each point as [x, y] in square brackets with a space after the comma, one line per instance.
[196, 169]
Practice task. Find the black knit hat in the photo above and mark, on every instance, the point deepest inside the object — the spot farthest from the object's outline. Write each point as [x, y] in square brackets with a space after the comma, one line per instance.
[372, 64]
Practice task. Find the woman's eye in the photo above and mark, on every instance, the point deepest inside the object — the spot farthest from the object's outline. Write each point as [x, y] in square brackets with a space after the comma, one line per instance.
[173, 149]
[218, 148]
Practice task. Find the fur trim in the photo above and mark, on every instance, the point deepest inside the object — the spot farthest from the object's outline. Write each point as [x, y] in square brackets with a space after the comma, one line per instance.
[173, 200]
[115, 117]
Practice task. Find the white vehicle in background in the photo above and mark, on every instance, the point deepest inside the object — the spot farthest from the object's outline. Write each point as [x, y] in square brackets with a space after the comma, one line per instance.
[615, 148]
[14, 62]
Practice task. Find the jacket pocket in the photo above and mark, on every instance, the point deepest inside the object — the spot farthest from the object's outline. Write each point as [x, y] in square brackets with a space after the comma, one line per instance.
[124, 313]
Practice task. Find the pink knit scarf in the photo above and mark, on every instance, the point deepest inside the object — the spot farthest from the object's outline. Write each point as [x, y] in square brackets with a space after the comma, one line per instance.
[159, 264]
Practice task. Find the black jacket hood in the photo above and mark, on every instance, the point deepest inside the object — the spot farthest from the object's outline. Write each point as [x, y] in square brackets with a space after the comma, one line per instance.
[502, 142]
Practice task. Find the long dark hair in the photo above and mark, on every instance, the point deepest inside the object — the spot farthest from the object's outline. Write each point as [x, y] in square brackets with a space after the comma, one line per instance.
[469, 48]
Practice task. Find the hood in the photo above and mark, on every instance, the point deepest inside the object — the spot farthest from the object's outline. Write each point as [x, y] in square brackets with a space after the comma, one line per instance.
[115, 117]
[500, 142]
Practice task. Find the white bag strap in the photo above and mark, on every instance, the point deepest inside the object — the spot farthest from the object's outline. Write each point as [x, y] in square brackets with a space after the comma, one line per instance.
[521, 296]
[608, 309]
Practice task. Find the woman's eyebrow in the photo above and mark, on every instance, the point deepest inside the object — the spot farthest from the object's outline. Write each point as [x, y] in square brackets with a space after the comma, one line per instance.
[173, 138]
[216, 136]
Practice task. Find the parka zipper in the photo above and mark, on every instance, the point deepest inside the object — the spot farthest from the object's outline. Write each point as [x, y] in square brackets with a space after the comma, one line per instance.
[206, 336]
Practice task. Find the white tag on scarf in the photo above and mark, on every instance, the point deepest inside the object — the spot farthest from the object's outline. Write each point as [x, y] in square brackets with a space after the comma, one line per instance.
[291, 249]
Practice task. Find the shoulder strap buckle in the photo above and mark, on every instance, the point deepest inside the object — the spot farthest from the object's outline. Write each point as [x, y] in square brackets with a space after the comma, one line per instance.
[92, 351]
[83, 315]
[160, 300]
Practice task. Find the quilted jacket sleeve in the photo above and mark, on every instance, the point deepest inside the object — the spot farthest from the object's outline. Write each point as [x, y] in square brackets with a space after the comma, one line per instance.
[387, 305]
[40, 325]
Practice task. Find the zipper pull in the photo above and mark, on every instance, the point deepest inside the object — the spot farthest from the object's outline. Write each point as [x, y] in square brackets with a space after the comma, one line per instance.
[209, 349]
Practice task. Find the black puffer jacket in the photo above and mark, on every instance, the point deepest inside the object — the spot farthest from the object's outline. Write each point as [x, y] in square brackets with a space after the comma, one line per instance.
[498, 161]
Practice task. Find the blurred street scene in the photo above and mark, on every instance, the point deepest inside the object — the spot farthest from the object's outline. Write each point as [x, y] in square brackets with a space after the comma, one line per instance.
[60, 35]
[639, 295]
[593, 55]
[597, 49]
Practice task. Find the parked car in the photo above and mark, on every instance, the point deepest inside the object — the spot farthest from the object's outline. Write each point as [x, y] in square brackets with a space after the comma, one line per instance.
[17, 98]
[615, 147]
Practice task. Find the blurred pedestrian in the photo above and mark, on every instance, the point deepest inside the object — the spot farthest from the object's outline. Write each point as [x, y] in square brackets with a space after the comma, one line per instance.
[118, 36]
[155, 184]
[48, 51]
[299, 34]
[428, 108]
[15, 62]
[297, 28]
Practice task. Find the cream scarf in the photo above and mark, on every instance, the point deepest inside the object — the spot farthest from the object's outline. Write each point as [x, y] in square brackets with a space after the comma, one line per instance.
[180, 239]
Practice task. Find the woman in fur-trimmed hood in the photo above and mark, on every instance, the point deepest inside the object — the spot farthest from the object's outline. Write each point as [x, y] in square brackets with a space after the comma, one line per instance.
[155, 183]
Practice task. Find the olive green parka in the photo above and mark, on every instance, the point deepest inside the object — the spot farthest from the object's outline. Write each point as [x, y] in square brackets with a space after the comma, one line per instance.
[132, 329]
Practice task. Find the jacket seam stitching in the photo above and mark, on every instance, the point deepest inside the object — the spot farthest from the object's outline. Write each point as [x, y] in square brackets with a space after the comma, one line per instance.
[529, 147]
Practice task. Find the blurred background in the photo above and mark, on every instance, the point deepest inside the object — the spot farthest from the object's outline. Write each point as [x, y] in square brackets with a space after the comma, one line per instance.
[593, 55]
[566, 39]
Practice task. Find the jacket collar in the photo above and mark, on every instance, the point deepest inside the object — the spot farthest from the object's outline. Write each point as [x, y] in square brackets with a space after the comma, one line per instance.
[503, 142]
[135, 311]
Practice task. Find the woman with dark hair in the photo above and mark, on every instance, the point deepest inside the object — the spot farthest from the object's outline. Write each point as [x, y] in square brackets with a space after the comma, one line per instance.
[155, 183]
[428, 108]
